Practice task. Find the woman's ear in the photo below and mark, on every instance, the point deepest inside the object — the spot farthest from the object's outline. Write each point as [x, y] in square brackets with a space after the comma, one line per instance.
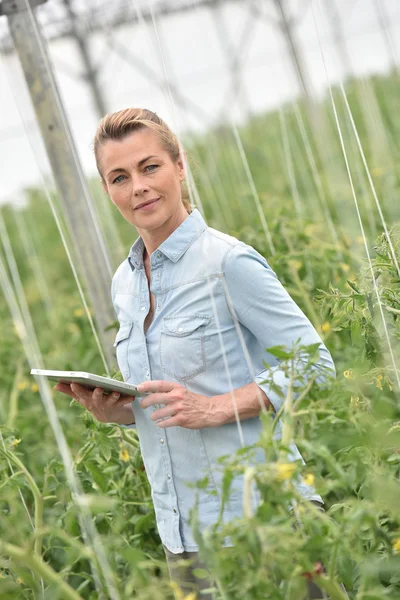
[181, 164]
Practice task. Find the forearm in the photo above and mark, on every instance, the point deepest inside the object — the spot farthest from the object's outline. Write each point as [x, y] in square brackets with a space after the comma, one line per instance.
[247, 402]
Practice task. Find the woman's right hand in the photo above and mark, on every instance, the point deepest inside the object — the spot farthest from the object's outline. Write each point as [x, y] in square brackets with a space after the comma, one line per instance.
[107, 408]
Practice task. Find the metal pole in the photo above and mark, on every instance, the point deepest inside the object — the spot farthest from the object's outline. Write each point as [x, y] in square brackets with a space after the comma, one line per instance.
[286, 25]
[91, 72]
[90, 250]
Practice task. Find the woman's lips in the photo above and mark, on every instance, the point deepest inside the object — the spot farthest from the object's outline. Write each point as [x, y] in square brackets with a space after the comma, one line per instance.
[149, 205]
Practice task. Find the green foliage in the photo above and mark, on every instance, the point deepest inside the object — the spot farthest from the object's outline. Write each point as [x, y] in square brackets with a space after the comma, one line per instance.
[347, 431]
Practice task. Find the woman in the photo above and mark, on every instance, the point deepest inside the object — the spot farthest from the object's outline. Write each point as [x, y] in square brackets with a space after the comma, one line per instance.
[196, 308]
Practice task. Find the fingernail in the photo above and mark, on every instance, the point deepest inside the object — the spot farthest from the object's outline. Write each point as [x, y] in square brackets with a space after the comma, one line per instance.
[140, 387]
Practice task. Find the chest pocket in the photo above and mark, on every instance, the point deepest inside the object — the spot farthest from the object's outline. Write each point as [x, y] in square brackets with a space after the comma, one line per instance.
[182, 346]
[122, 345]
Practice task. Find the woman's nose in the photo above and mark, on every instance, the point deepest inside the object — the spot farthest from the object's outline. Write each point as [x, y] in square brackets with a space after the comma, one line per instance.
[139, 185]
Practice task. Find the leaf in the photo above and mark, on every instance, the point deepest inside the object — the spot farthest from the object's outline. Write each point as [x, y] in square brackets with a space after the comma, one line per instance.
[133, 555]
[145, 523]
[354, 287]
[279, 352]
[97, 475]
[201, 573]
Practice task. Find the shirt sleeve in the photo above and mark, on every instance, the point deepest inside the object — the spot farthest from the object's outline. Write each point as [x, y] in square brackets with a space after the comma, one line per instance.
[258, 300]
[132, 425]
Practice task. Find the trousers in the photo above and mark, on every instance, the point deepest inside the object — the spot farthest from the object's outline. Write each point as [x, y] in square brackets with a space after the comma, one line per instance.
[184, 577]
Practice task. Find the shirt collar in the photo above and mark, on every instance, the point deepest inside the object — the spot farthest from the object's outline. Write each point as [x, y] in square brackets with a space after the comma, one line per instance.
[175, 245]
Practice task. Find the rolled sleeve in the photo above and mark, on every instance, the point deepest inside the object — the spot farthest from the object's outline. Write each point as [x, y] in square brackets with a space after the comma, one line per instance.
[280, 379]
[258, 300]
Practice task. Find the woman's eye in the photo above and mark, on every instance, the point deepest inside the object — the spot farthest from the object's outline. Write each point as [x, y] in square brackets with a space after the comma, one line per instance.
[118, 179]
[151, 167]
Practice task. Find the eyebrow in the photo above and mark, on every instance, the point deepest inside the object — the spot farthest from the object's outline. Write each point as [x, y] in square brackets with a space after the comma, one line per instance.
[140, 163]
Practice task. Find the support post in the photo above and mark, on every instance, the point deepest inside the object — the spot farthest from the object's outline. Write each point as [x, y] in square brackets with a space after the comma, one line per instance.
[89, 246]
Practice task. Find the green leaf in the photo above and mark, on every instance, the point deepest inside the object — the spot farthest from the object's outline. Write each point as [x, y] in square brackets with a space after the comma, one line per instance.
[354, 287]
[201, 573]
[279, 352]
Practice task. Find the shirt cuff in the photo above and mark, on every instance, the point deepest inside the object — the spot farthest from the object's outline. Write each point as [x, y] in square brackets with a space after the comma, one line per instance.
[274, 383]
[279, 381]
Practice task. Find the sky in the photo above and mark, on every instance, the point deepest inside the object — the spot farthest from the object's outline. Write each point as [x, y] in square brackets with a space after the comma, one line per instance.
[197, 47]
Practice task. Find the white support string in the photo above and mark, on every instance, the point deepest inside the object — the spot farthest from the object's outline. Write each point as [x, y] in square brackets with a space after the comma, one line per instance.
[396, 370]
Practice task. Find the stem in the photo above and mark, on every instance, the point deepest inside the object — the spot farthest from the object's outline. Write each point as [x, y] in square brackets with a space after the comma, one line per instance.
[309, 385]
[36, 494]
[312, 312]
[13, 405]
[247, 480]
[331, 587]
[129, 439]
[36, 563]
[287, 432]
[391, 309]
[57, 532]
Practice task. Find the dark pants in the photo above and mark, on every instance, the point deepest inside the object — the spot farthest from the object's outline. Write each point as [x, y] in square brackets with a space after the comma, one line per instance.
[182, 574]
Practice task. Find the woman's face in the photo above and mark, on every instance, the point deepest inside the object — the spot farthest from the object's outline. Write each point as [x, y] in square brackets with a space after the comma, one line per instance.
[142, 180]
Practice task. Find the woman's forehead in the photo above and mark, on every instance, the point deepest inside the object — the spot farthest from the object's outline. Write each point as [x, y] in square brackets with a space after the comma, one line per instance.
[134, 148]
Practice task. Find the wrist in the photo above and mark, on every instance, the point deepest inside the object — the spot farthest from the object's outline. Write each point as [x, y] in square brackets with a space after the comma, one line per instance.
[222, 410]
[126, 416]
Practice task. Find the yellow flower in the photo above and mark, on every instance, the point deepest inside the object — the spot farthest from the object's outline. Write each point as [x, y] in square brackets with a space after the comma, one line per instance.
[378, 381]
[377, 171]
[79, 312]
[124, 455]
[177, 590]
[285, 471]
[34, 387]
[19, 581]
[295, 264]
[22, 385]
[396, 544]
[309, 479]
[345, 267]
[179, 594]
[349, 374]
[326, 327]
[15, 442]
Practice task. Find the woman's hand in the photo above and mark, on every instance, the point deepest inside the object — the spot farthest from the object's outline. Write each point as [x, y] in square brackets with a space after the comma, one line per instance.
[107, 408]
[182, 407]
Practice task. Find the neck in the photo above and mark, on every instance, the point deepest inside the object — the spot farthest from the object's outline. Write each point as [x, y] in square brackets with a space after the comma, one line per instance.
[152, 239]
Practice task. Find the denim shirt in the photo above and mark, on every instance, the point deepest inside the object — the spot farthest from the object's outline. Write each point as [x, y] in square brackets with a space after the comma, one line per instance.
[218, 307]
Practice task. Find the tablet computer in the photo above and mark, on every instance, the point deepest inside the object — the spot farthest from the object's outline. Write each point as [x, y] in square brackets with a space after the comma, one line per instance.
[89, 380]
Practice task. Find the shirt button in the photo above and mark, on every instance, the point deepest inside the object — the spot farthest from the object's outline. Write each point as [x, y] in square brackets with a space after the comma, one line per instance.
[147, 374]
[162, 440]
[169, 477]
[158, 254]
[180, 329]
[175, 511]
[158, 307]
[143, 308]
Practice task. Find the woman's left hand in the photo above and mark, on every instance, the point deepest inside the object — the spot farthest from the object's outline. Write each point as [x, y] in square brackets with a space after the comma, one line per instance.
[181, 407]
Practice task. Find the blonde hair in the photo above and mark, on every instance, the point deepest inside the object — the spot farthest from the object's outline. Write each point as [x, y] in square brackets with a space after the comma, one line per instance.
[118, 125]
